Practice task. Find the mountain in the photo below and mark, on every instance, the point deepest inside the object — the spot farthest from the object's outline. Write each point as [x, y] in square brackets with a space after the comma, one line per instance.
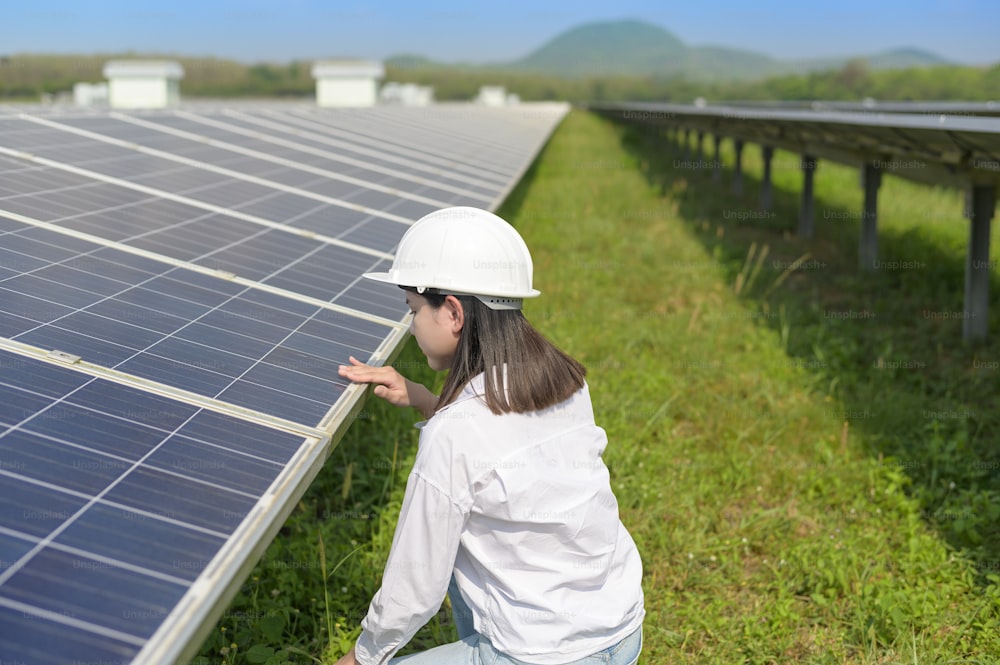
[720, 63]
[637, 48]
[905, 57]
[895, 59]
[640, 49]
[605, 48]
[410, 61]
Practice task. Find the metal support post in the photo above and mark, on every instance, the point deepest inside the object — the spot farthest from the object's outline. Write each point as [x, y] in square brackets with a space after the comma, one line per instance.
[716, 162]
[871, 179]
[975, 324]
[806, 213]
[766, 192]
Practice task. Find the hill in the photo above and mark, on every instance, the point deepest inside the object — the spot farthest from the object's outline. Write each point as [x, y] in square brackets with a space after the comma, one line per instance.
[637, 48]
[601, 49]
[901, 58]
[905, 57]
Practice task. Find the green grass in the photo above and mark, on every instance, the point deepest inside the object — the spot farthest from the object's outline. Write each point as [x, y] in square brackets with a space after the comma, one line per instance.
[795, 498]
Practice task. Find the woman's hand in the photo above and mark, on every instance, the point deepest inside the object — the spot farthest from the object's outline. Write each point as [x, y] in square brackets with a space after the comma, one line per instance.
[391, 386]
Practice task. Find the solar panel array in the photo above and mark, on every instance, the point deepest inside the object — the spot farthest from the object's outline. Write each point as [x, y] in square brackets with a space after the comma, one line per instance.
[930, 148]
[873, 106]
[940, 143]
[177, 289]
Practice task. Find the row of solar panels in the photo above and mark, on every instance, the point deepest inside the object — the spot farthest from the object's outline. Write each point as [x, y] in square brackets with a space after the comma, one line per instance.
[935, 108]
[176, 292]
[944, 149]
[936, 149]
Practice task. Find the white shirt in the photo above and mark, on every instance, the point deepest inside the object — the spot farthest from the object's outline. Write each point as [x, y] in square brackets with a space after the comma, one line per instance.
[520, 508]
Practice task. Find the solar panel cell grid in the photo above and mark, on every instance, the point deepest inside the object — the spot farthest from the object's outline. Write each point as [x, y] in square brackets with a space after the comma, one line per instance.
[171, 325]
[329, 185]
[320, 271]
[311, 215]
[379, 234]
[29, 638]
[162, 174]
[199, 236]
[140, 540]
[133, 493]
[341, 162]
[29, 180]
[34, 510]
[101, 593]
[429, 161]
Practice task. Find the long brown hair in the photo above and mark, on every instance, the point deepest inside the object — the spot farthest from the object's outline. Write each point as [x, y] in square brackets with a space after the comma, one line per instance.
[539, 375]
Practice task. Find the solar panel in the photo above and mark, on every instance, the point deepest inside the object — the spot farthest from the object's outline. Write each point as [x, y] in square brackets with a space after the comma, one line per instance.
[176, 292]
[935, 108]
[115, 502]
[464, 135]
[229, 183]
[342, 162]
[176, 326]
[947, 149]
[347, 150]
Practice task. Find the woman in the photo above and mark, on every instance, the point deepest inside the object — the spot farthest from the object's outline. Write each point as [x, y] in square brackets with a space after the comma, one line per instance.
[509, 507]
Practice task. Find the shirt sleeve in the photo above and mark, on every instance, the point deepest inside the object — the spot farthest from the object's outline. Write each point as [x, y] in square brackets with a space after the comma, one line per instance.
[417, 573]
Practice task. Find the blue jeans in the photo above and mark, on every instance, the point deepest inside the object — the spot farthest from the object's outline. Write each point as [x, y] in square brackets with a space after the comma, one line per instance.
[475, 649]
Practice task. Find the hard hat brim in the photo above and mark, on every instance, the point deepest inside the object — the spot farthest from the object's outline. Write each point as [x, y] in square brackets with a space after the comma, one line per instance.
[378, 277]
[386, 278]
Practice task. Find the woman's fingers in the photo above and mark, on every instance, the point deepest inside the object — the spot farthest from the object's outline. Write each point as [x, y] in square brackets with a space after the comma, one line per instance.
[360, 372]
[390, 384]
[355, 364]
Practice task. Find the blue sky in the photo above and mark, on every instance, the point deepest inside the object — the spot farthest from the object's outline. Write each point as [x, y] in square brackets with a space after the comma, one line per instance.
[965, 31]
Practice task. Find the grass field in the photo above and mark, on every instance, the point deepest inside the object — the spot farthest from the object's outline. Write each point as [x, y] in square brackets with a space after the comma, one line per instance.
[806, 456]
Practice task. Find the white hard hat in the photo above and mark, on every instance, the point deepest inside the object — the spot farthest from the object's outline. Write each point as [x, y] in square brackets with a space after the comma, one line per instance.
[463, 251]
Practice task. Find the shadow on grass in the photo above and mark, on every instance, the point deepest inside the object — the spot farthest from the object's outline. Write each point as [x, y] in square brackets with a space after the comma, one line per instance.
[886, 345]
[511, 206]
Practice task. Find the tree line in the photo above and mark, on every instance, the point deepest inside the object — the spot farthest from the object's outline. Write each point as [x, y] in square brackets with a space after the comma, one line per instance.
[27, 77]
